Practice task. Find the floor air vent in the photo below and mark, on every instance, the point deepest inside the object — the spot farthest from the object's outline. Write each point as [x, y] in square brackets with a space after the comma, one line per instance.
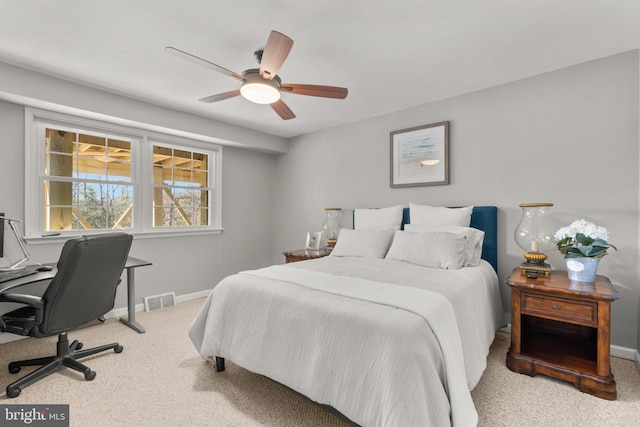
[157, 302]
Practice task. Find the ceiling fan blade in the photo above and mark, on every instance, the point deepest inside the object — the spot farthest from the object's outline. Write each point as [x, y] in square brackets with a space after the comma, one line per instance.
[221, 96]
[202, 62]
[275, 52]
[283, 110]
[316, 90]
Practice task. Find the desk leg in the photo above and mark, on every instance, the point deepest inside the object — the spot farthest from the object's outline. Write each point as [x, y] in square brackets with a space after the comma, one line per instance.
[131, 303]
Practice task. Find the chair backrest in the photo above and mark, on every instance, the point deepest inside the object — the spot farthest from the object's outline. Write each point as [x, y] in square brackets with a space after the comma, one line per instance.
[84, 287]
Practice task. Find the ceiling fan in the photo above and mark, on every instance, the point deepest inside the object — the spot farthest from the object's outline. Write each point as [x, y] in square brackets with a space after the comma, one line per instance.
[263, 85]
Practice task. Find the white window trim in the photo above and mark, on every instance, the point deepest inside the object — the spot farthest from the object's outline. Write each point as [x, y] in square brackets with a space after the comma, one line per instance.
[142, 169]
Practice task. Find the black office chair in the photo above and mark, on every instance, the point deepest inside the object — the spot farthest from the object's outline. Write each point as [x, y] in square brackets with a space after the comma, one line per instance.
[83, 290]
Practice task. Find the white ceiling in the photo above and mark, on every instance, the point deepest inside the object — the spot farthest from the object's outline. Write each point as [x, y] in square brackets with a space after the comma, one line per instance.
[390, 54]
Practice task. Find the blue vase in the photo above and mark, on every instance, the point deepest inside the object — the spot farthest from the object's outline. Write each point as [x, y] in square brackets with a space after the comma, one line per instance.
[582, 269]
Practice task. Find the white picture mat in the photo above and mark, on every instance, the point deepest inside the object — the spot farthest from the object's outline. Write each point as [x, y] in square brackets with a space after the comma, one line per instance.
[419, 156]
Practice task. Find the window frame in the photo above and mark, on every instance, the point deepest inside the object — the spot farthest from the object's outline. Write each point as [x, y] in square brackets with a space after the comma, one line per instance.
[212, 157]
[142, 141]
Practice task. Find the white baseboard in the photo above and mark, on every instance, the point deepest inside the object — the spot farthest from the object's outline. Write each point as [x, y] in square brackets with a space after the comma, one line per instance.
[195, 295]
[6, 337]
[624, 352]
[123, 311]
[637, 359]
[117, 312]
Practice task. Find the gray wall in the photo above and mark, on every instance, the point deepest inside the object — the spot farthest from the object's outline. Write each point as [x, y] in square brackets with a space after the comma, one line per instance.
[569, 137]
[181, 264]
[22, 86]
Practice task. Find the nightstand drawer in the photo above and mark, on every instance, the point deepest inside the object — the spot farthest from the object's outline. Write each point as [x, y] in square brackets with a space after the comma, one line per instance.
[579, 312]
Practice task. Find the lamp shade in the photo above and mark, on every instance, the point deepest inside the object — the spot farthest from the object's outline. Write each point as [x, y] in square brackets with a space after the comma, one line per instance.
[331, 226]
[535, 231]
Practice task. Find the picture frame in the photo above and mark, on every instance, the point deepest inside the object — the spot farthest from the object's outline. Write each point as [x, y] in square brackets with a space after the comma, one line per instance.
[420, 156]
[313, 241]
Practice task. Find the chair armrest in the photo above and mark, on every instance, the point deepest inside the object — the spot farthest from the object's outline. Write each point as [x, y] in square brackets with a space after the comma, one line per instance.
[30, 300]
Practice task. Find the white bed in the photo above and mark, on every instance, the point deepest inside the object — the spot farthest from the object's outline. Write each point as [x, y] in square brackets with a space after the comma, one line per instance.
[384, 342]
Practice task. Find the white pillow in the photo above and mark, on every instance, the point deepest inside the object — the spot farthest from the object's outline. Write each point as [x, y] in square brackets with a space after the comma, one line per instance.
[362, 243]
[437, 249]
[378, 219]
[473, 244]
[435, 216]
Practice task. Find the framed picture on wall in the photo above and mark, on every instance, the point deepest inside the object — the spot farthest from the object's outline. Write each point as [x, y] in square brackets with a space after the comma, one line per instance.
[313, 241]
[420, 156]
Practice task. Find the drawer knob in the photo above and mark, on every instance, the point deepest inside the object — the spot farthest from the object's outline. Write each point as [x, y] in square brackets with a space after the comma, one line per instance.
[556, 307]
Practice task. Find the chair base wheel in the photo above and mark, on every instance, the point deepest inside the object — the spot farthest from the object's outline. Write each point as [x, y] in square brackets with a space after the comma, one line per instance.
[13, 392]
[67, 356]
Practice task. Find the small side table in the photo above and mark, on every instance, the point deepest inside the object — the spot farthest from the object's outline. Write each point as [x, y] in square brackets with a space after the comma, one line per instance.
[561, 328]
[303, 254]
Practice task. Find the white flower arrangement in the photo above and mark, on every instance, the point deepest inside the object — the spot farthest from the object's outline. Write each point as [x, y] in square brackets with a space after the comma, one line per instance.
[583, 239]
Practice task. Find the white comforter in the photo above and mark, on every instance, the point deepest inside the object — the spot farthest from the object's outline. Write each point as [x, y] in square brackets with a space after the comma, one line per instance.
[386, 343]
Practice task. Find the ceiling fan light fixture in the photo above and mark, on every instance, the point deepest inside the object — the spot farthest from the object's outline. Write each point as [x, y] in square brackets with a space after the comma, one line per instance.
[263, 85]
[259, 90]
[260, 93]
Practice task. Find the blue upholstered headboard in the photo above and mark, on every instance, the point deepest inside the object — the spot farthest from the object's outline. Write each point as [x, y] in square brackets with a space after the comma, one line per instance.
[483, 218]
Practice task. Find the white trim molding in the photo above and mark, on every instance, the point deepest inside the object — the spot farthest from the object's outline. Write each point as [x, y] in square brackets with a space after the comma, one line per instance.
[624, 353]
[118, 312]
[123, 311]
[140, 180]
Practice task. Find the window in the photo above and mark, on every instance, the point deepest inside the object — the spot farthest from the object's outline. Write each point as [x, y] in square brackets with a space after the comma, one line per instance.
[180, 193]
[87, 181]
[84, 176]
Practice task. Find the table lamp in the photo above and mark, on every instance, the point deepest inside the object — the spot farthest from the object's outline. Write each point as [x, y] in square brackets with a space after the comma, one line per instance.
[331, 226]
[534, 234]
[26, 256]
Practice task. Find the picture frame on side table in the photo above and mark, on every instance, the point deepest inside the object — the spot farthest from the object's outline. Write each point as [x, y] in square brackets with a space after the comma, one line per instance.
[420, 156]
[313, 241]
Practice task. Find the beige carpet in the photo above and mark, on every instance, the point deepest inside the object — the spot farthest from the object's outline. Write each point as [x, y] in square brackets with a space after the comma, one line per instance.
[504, 398]
[160, 380]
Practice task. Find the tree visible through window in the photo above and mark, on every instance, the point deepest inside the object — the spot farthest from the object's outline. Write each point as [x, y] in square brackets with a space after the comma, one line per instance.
[180, 195]
[84, 175]
[89, 182]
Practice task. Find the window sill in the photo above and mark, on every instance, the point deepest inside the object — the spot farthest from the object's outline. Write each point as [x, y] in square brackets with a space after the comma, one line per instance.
[44, 239]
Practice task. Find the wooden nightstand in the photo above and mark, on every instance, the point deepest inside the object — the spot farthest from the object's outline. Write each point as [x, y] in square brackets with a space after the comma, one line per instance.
[302, 254]
[561, 328]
